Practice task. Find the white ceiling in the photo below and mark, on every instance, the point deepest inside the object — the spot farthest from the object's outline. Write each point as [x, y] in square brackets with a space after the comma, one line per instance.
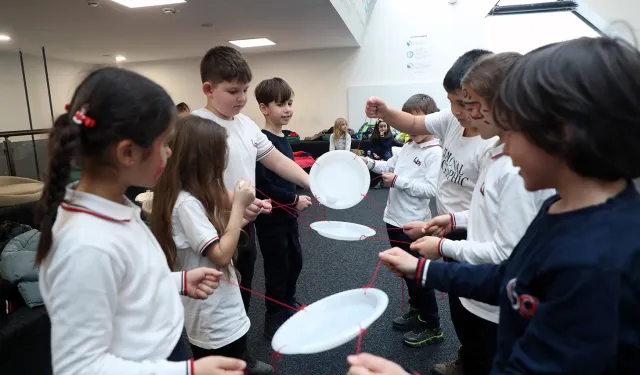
[610, 13]
[72, 30]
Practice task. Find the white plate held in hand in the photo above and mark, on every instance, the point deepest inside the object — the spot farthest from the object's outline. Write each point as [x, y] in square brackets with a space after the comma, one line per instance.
[330, 322]
[339, 179]
[340, 230]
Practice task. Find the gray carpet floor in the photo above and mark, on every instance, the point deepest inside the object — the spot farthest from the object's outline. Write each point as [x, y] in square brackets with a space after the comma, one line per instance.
[334, 266]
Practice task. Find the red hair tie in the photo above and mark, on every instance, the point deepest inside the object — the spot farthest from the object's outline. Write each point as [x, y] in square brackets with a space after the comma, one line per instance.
[81, 118]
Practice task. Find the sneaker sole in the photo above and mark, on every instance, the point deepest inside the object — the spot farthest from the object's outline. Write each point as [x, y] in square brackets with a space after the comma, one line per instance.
[430, 341]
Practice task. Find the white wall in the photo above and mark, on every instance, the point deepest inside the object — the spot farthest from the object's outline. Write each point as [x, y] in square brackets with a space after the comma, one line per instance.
[63, 78]
[321, 78]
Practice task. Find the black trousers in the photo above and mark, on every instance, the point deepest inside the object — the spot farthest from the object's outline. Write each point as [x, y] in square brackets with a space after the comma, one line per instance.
[282, 255]
[421, 298]
[477, 336]
[237, 349]
[246, 261]
[181, 352]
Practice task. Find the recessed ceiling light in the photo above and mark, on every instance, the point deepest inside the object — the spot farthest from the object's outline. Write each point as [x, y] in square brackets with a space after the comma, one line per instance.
[248, 43]
[4, 38]
[120, 58]
[147, 3]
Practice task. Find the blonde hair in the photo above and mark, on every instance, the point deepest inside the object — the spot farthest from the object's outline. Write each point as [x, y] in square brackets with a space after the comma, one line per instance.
[337, 132]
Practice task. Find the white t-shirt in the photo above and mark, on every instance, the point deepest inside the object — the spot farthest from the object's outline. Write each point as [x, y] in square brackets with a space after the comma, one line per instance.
[247, 144]
[417, 168]
[501, 211]
[220, 319]
[462, 158]
[114, 304]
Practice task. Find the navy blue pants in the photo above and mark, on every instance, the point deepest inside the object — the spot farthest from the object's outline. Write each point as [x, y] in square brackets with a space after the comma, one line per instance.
[421, 298]
[282, 255]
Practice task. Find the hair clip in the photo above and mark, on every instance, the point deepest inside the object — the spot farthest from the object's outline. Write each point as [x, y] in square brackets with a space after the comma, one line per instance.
[67, 107]
[81, 118]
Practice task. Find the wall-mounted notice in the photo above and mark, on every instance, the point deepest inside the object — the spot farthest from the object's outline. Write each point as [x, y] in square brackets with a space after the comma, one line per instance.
[417, 54]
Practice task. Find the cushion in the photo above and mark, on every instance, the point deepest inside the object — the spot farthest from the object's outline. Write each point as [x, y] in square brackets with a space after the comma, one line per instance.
[17, 266]
[16, 190]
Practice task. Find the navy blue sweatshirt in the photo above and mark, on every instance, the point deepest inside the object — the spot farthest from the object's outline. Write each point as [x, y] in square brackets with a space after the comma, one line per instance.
[382, 145]
[569, 295]
[276, 187]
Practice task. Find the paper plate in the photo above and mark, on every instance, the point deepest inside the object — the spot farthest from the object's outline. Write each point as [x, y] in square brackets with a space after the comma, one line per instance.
[343, 231]
[330, 322]
[339, 179]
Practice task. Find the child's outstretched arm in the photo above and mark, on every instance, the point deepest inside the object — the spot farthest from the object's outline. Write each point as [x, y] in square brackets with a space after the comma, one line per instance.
[401, 121]
[478, 282]
[267, 189]
[574, 330]
[83, 297]
[286, 168]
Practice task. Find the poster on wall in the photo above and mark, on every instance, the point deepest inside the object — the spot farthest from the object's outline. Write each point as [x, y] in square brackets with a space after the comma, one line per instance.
[417, 54]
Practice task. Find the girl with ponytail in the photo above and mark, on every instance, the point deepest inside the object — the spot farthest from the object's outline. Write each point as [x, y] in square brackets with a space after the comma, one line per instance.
[111, 297]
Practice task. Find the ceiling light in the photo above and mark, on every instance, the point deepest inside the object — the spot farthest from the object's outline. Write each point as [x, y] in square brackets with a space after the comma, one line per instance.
[249, 43]
[120, 58]
[4, 38]
[147, 3]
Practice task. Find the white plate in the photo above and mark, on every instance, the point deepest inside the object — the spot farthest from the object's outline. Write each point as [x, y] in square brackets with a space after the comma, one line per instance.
[330, 322]
[343, 231]
[339, 179]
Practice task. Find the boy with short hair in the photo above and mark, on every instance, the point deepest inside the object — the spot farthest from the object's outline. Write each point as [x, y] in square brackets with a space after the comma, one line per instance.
[226, 76]
[278, 234]
[464, 151]
[412, 175]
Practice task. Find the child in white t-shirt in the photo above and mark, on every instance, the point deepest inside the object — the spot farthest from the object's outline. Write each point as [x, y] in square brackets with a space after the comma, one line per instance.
[412, 175]
[197, 225]
[463, 152]
[226, 76]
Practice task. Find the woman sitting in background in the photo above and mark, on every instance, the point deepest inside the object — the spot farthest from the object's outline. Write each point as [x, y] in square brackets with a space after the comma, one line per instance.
[382, 140]
[340, 139]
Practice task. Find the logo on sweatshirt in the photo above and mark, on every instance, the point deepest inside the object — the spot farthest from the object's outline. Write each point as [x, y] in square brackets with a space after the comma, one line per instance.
[525, 304]
[452, 168]
[417, 161]
[254, 143]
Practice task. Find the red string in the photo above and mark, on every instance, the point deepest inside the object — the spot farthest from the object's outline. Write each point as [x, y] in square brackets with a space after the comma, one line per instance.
[263, 296]
[373, 278]
[274, 355]
[372, 201]
[402, 301]
[362, 333]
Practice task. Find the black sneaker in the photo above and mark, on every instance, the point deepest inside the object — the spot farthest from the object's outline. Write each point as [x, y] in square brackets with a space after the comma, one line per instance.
[407, 321]
[421, 336]
[273, 321]
[259, 368]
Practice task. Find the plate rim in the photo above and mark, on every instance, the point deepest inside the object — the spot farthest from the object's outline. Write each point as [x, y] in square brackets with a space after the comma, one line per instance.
[348, 334]
[345, 222]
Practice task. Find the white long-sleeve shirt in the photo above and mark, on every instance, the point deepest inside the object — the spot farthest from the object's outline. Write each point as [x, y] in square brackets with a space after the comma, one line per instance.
[501, 211]
[417, 168]
[114, 305]
[462, 158]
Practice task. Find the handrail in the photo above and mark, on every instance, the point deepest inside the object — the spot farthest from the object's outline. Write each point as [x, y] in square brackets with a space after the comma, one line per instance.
[18, 133]
[8, 149]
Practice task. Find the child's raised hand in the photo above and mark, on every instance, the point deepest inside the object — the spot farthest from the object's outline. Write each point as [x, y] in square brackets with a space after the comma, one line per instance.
[375, 108]
[428, 247]
[215, 365]
[415, 229]
[244, 193]
[399, 262]
[304, 202]
[367, 364]
[439, 226]
[200, 282]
